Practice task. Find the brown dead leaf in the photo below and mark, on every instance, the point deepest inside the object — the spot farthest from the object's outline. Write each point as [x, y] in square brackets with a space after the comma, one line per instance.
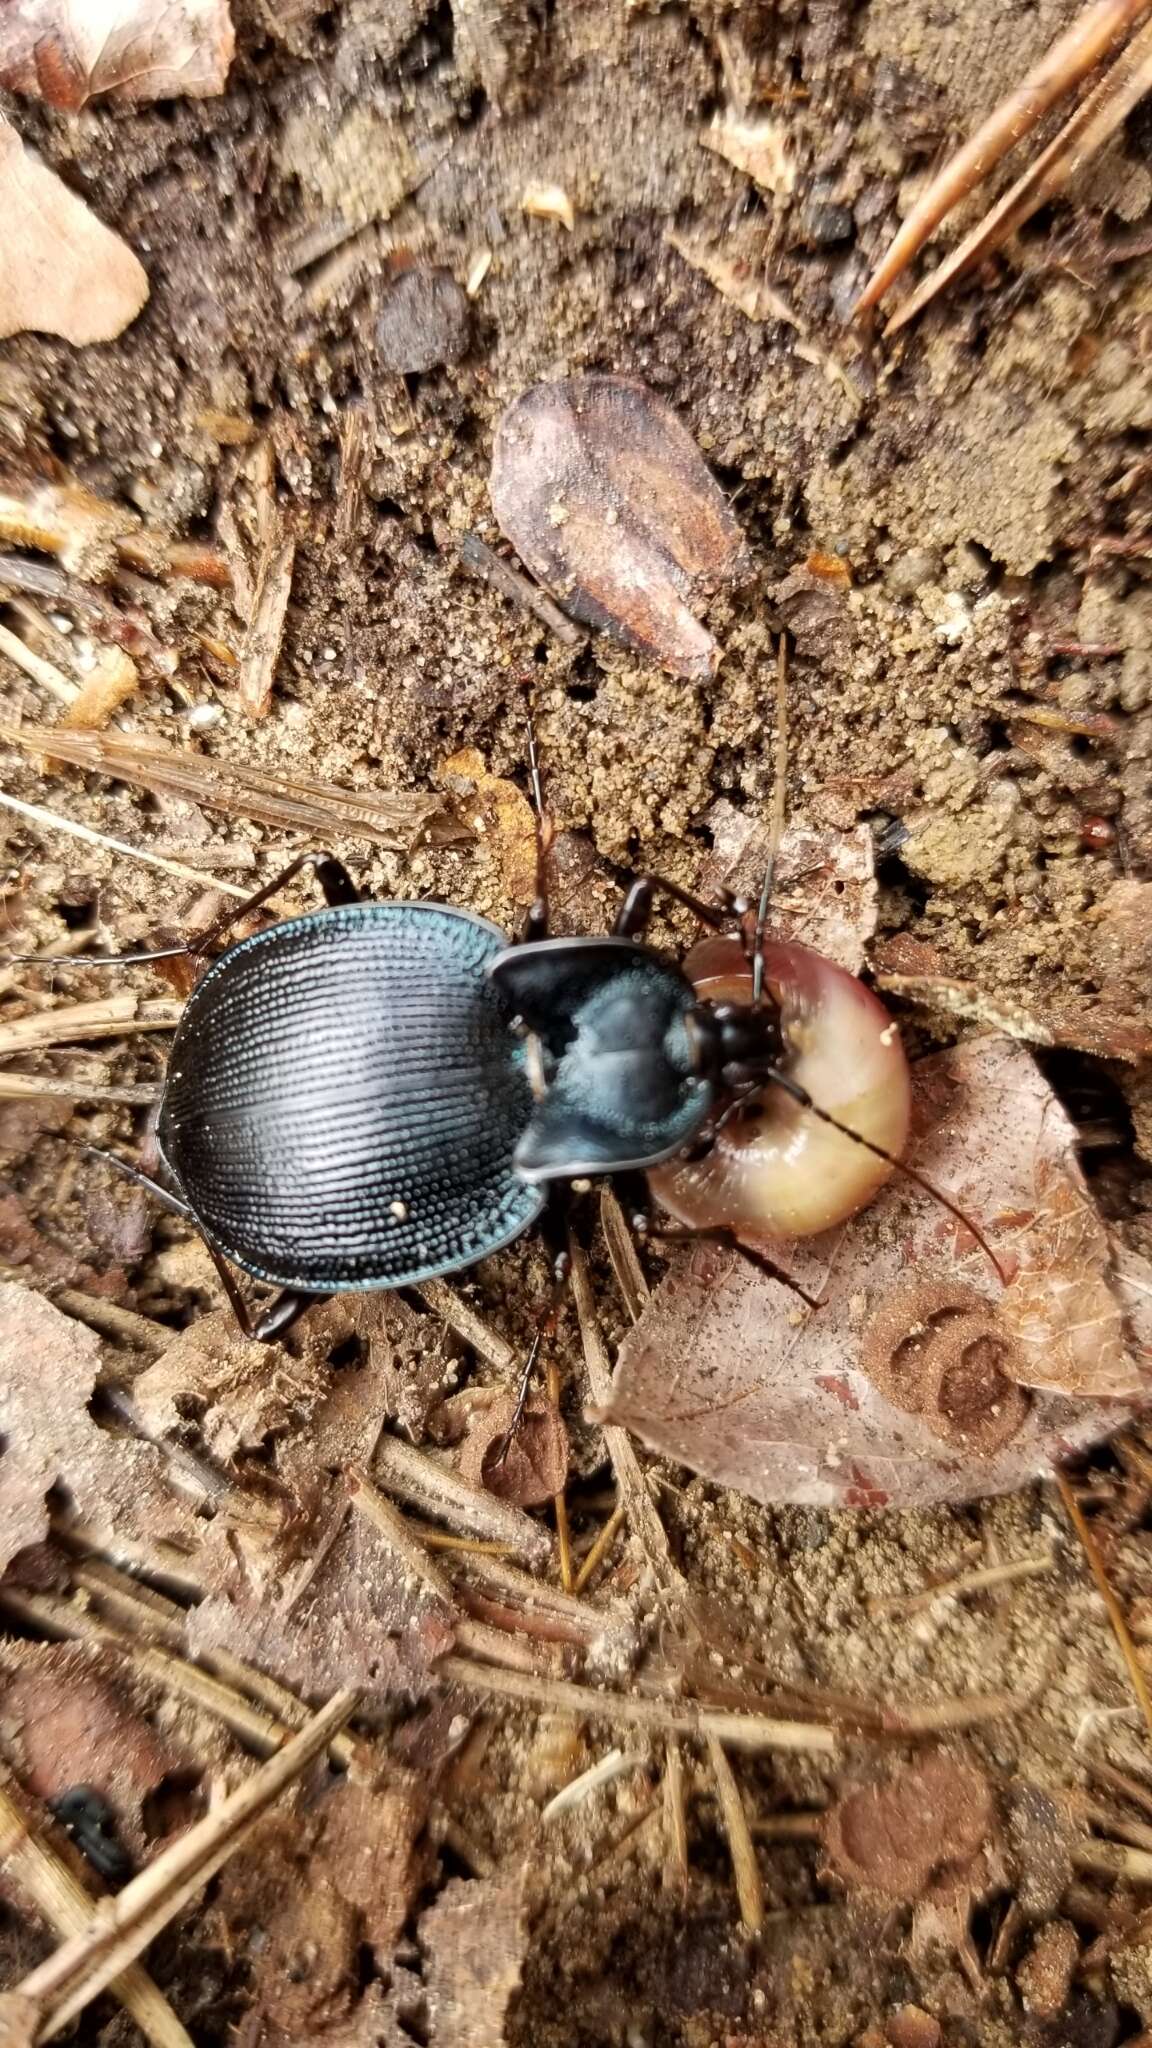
[68, 51]
[69, 1718]
[729, 1374]
[63, 272]
[48, 1371]
[1062, 1308]
[290, 1579]
[293, 1581]
[535, 1467]
[475, 1938]
[609, 502]
[1087, 1026]
[314, 1888]
[500, 810]
[893, 1837]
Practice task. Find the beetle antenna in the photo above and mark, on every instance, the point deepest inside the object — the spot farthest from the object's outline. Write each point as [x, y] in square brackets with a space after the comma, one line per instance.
[174, 1203]
[779, 818]
[801, 1095]
[94, 959]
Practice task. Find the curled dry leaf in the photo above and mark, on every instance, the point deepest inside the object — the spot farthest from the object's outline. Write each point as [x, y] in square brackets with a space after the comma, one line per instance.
[534, 1467]
[903, 1387]
[63, 271]
[68, 51]
[892, 1838]
[610, 504]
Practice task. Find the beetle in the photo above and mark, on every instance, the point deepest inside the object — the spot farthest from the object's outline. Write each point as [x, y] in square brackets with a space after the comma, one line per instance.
[376, 1094]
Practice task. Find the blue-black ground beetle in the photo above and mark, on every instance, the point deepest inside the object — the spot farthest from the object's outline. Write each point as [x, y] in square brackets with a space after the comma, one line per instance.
[374, 1094]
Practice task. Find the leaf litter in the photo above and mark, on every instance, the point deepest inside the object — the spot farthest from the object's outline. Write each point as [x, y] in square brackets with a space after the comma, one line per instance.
[64, 272]
[608, 501]
[68, 52]
[916, 1380]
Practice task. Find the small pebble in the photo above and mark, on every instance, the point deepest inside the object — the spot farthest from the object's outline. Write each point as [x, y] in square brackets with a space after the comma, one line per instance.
[425, 321]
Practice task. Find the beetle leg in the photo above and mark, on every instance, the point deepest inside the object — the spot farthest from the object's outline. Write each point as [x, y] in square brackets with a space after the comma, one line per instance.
[271, 1323]
[332, 875]
[536, 921]
[280, 1315]
[638, 1211]
[165, 1196]
[335, 882]
[554, 1226]
[634, 913]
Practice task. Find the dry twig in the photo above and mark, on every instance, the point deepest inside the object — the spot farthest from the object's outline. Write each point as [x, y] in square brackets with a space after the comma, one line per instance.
[1097, 118]
[965, 1583]
[32, 1087]
[749, 1887]
[38, 667]
[675, 1818]
[492, 569]
[1071, 57]
[752, 1733]
[1112, 1605]
[600, 1548]
[116, 1016]
[635, 1498]
[625, 1259]
[55, 821]
[436, 1490]
[241, 790]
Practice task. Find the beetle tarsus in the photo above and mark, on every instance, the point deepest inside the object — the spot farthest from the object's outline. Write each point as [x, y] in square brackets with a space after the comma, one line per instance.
[634, 914]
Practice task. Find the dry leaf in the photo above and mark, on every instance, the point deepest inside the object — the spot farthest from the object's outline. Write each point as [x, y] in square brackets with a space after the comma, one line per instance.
[891, 1838]
[535, 1466]
[48, 1371]
[734, 276]
[475, 1938]
[71, 1718]
[306, 1895]
[293, 1580]
[610, 504]
[758, 148]
[501, 810]
[1062, 1308]
[68, 51]
[885, 1393]
[63, 271]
